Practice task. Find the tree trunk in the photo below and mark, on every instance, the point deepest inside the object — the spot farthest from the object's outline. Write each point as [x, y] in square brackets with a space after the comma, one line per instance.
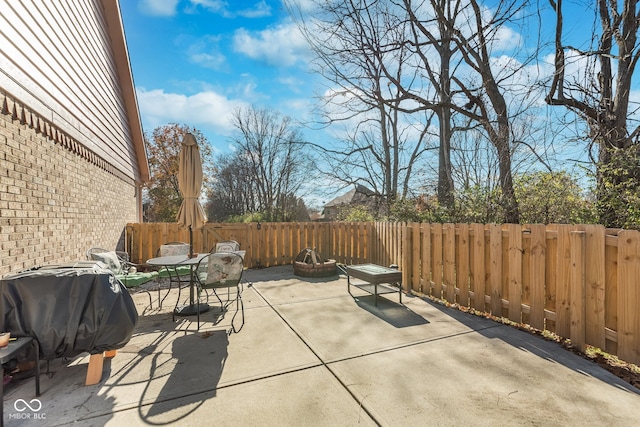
[509, 202]
[445, 179]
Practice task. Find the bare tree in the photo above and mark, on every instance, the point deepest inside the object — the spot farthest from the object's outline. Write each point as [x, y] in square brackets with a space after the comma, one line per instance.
[269, 149]
[404, 57]
[430, 41]
[481, 94]
[600, 95]
[357, 43]
[232, 191]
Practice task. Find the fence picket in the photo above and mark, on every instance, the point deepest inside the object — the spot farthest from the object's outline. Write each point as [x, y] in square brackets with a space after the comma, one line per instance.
[426, 259]
[478, 272]
[514, 272]
[537, 257]
[595, 285]
[262, 247]
[406, 261]
[495, 268]
[611, 292]
[383, 247]
[577, 285]
[277, 243]
[449, 251]
[462, 264]
[551, 277]
[563, 292]
[415, 256]
[353, 247]
[629, 296]
[436, 259]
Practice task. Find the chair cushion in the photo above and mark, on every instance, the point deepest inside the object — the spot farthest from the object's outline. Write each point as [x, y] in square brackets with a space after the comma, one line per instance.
[170, 250]
[183, 270]
[133, 280]
[229, 246]
[110, 259]
[223, 269]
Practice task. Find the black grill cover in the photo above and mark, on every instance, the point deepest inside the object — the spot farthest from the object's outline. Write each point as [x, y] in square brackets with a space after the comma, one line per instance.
[68, 310]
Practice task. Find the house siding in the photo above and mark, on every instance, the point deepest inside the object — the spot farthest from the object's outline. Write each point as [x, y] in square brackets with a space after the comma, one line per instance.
[59, 58]
[56, 199]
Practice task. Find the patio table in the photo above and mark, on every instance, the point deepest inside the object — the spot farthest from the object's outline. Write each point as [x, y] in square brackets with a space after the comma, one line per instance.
[177, 261]
[377, 279]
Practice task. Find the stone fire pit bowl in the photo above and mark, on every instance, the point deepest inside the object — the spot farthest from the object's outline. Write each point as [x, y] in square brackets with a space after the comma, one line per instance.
[310, 263]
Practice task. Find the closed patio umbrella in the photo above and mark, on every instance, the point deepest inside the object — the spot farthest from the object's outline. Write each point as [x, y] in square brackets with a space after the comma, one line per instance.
[190, 213]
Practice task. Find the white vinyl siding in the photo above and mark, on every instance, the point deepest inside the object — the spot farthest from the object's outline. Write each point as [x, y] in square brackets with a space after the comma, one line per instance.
[56, 56]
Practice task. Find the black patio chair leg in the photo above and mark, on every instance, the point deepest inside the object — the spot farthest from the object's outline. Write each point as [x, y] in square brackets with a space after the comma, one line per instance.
[165, 295]
[219, 300]
[225, 306]
[169, 290]
[177, 301]
[239, 305]
[150, 300]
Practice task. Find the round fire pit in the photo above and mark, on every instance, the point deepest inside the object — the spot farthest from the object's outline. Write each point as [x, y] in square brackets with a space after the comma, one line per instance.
[310, 263]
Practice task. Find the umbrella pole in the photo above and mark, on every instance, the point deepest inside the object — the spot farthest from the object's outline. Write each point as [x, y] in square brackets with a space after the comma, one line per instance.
[191, 299]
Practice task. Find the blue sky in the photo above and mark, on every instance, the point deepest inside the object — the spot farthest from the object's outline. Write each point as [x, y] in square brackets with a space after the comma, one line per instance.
[194, 61]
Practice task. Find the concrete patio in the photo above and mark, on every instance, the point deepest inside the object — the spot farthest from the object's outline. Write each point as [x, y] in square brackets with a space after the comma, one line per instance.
[309, 354]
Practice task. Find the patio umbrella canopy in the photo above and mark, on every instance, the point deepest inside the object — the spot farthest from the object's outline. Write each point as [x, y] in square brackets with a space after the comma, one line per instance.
[190, 213]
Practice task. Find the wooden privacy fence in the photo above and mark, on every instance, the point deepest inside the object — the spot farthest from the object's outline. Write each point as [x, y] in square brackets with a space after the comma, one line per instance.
[581, 282]
[266, 244]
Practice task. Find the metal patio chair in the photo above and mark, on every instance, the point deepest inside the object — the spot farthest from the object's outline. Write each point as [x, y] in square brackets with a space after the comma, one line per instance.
[179, 276]
[116, 261]
[126, 271]
[221, 271]
[227, 246]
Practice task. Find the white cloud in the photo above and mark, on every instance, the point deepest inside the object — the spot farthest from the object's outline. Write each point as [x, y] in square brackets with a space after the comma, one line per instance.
[206, 53]
[283, 45]
[506, 38]
[302, 5]
[214, 61]
[158, 7]
[206, 109]
[218, 6]
[578, 70]
[294, 83]
[259, 10]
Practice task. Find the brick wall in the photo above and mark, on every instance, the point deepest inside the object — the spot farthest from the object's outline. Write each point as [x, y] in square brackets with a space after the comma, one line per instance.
[56, 200]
